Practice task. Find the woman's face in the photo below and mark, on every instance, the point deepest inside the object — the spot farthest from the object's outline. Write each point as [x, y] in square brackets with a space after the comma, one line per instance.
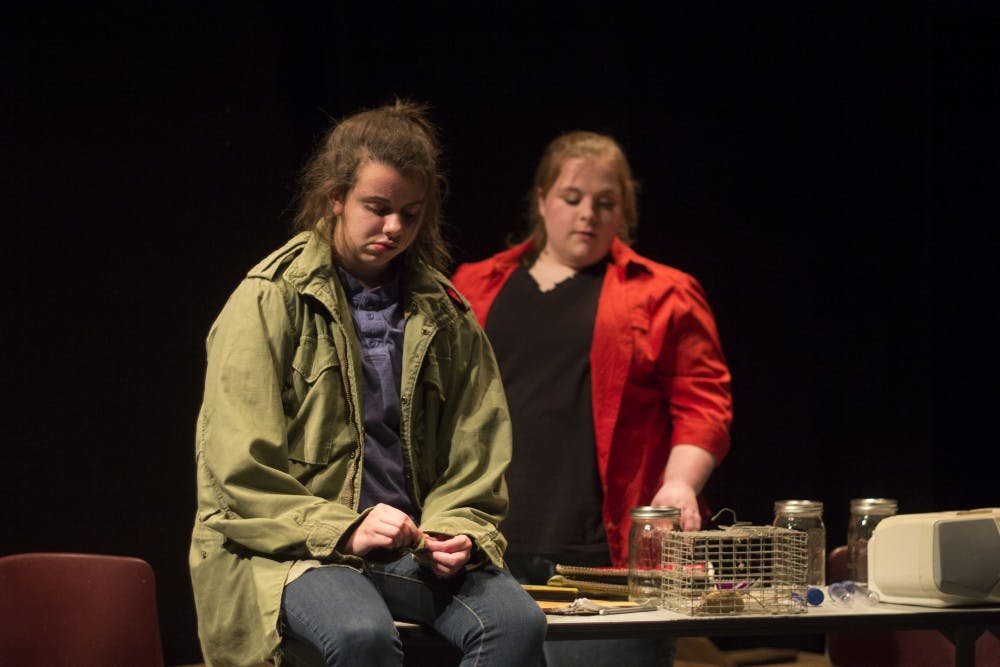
[377, 220]
[582, 212]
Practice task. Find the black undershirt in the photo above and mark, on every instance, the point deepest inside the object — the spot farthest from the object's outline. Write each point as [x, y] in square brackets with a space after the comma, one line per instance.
[542, 343]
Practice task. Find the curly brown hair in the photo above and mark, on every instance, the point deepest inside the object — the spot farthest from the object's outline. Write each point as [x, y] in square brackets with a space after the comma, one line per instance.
[398, 135]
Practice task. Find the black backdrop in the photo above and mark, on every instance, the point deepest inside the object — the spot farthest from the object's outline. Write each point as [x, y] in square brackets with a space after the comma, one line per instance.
[826, 171]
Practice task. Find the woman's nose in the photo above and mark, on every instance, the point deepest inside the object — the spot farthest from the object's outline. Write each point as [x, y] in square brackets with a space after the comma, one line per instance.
[392, 224]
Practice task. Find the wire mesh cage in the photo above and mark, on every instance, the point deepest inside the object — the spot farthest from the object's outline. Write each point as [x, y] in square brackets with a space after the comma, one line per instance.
[741, 570]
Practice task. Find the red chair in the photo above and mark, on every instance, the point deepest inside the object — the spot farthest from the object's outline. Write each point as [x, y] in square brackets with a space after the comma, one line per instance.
[78, 609]
[902, 648]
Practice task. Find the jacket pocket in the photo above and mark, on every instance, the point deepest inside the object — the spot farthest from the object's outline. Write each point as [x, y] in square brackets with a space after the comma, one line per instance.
[226, 601]
[313, 357]
[430, 375]
[315, 403]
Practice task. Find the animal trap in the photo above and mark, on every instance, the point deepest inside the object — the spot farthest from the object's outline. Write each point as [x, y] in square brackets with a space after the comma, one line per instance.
[739, 570]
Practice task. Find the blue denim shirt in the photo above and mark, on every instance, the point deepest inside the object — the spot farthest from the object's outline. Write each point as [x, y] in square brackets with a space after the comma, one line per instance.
[378, 320]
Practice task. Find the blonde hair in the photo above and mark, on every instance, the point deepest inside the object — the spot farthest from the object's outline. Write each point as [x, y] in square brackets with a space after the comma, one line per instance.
[397, 135]
[581, 145]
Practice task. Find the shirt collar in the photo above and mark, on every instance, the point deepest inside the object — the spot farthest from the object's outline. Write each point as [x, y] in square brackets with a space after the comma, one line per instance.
[375, 298]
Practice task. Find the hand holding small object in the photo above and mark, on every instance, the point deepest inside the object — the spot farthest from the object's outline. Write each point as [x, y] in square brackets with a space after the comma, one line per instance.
[384, 527]
[448, 554]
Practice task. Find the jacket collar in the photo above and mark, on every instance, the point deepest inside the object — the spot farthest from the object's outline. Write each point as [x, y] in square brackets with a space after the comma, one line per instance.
[312, 272]
[624, 259]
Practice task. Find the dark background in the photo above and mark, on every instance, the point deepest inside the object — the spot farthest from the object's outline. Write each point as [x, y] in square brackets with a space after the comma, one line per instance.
[827, 170]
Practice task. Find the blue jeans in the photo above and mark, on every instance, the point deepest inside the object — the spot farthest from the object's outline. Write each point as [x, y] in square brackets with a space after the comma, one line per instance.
[346, 616]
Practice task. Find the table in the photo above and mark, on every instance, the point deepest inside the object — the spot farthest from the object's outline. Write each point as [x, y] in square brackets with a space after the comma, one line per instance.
[961, 625]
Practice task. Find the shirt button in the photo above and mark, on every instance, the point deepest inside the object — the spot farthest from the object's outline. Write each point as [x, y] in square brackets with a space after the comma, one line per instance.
[371, 316]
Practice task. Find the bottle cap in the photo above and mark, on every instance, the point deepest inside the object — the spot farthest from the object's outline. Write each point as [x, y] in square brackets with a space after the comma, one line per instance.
[875, 505]
[795, 507]
[815, 596]
[655, 512]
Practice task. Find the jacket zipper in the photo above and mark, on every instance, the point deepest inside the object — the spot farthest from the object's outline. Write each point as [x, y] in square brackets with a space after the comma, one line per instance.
[427, 333]
[348, 365]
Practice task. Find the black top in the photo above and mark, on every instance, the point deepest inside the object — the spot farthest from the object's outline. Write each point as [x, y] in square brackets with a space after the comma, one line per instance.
[542, 343]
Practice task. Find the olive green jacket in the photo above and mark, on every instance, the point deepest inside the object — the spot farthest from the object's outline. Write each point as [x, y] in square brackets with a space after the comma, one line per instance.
[280, 442]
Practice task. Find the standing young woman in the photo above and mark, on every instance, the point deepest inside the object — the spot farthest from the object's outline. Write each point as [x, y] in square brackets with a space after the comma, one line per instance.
[617, 385]
[353, 436]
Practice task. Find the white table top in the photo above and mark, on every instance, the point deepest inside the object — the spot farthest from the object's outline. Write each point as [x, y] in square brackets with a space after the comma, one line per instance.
[820, 619]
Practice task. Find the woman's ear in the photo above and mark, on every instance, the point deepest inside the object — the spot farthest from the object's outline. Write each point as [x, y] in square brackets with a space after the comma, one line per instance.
[336, 205]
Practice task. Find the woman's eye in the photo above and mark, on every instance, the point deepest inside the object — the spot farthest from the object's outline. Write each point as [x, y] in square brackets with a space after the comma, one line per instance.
[377, 209]
[411, 216]
[607, 205]
[572, 201]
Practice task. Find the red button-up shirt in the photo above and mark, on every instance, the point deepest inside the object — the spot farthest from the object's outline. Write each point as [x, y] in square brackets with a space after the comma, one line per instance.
[658, 374]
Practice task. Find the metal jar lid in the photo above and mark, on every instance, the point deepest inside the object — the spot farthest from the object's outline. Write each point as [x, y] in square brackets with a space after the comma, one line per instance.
[874, 505]
[798, 507]
[655, 512]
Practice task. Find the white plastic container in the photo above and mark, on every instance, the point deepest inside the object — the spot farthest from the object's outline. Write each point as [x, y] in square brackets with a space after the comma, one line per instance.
[938, 559]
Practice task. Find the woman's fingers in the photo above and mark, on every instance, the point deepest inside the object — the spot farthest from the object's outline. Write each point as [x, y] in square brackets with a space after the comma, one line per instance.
[447, 544]
[447, 564]
[384, 527]
[448, 553]
[395, 526]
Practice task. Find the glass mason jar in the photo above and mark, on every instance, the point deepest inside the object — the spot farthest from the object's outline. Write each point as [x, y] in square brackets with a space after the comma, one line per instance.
[645, 550]
[865, 515]
[807, 516]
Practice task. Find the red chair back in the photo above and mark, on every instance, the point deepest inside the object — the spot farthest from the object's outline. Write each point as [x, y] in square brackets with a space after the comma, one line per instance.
[78, 609]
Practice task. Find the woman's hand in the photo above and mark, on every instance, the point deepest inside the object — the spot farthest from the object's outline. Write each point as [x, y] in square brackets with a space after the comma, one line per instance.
[682, 496]
[448, 554]
[384, 527]
[688, 468]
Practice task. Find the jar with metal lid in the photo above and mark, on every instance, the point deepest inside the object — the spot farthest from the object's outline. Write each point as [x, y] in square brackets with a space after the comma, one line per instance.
[865, 515]
[645, 550]
[807, 516]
